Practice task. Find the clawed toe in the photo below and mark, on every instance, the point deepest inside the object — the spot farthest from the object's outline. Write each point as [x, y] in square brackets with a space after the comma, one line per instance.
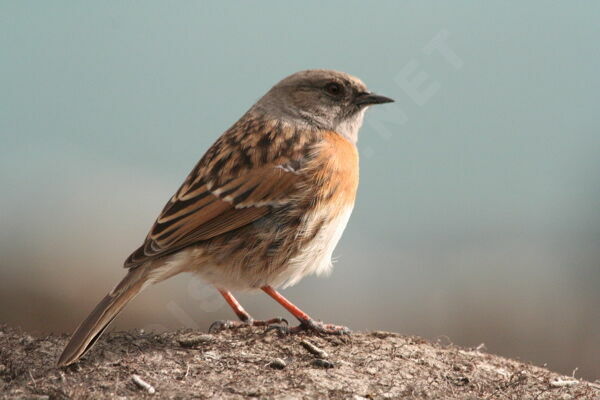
[280, 329]
[311, 326]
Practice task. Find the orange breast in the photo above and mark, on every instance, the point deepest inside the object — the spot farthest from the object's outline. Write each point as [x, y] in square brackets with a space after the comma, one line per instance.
[336, 171]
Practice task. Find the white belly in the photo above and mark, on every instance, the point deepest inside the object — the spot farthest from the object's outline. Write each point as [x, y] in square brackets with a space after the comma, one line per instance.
[316, 257]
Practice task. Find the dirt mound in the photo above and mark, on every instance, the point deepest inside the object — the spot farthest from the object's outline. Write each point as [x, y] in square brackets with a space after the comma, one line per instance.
[250, 362]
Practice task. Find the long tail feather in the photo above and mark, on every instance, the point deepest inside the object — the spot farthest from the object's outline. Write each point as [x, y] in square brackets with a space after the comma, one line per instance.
[94, 325]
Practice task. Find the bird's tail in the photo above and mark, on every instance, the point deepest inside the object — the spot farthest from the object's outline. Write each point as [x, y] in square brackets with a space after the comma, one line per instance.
[94, 325]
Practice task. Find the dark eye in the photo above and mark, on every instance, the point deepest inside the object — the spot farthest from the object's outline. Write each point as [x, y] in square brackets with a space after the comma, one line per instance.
[334, 89]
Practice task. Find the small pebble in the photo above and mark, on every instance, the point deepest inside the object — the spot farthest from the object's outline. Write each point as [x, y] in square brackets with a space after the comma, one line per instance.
[277, 363]
[194, 340]
[143, 384]
[559, 382]
[26, 340]
[323, 363]
[384, 334]
[311, 348]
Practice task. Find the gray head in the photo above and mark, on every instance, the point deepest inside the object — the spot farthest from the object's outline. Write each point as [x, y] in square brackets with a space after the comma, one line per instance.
[322, 99]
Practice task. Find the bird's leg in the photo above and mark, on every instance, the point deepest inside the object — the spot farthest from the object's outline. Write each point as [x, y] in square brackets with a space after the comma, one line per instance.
[306, 322]
[245, 318]
[236, 306]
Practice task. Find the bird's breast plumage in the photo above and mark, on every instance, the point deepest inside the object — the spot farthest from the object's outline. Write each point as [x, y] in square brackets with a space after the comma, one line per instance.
[334, 171]
[333, 180]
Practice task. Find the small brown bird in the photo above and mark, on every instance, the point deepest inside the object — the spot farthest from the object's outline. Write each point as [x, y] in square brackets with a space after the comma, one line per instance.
[264, 207]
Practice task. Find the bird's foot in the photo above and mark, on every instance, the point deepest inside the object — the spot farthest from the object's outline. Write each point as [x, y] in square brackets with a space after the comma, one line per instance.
[223, 324]
[311, 325]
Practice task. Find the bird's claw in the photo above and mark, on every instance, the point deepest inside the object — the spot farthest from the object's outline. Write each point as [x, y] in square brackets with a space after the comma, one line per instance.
[311, 325]
[280, 329]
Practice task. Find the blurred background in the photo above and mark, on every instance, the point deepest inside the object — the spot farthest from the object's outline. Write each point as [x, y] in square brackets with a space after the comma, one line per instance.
[478, 214]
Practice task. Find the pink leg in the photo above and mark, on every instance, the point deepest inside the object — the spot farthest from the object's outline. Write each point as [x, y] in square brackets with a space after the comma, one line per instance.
[235, 306]
[245, 318]
[306, 322]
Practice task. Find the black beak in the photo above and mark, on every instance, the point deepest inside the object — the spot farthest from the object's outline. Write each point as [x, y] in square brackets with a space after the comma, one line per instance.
[368, 98]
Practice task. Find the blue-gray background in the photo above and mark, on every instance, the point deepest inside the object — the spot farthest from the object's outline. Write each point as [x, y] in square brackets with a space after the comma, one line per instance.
[477, 219]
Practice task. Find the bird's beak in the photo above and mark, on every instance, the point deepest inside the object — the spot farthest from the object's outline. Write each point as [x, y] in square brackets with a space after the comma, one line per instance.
[368, 98]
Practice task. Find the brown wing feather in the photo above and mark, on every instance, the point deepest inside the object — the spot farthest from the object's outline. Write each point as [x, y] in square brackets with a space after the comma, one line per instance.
[201, 211]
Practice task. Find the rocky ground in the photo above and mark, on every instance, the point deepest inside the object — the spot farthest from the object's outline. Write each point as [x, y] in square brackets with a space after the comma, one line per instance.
[253, 363]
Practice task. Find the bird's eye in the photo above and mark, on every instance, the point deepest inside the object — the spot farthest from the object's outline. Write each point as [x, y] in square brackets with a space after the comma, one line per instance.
[334, 89]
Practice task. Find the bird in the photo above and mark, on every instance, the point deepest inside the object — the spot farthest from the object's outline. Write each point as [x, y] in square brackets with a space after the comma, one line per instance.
[264, 207]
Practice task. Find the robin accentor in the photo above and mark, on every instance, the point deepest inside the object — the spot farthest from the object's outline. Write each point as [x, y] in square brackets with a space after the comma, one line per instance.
[264, 207]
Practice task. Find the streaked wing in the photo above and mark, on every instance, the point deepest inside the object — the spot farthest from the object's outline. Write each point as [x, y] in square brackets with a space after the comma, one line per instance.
[201, 210]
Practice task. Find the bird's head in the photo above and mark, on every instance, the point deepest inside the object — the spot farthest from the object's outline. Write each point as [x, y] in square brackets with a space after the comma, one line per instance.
[322, 99]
